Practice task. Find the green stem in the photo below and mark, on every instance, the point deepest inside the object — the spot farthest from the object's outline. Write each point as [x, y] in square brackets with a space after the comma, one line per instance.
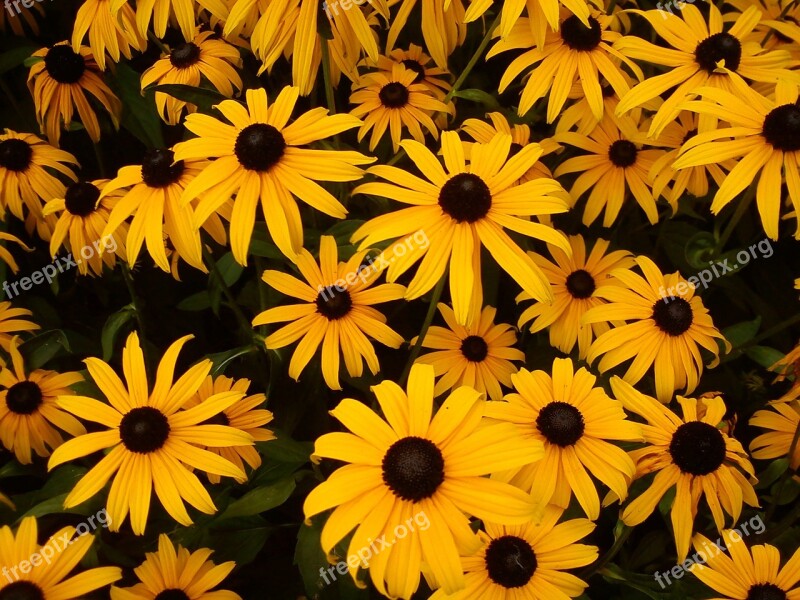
[152, 37]
[474, 60]
[767, 334]
[437, 293]
[244, 324]
[741, 208]
[785, 477]
[137, 309]
[609, 555]
[101, 163]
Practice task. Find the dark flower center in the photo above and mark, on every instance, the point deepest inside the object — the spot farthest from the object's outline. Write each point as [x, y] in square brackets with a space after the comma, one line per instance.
[64, 65]
[218, 419]
[560, 423]
[158, 170]
[413, 65]
[81, 198]
[623, 153]
[172, 594]
[474, 348]
[144, 429]
[782, 127]
[24, 398]
[766, 591]
[580, 284]
[413, 468]
[259, 147]
[510, 561]
[15, 155]
[717, 47]
[465, 198]
[393, 95]
[579, 37]
[697, 448]
[334, 303]
[22, 590]
[689, 135]
[184, 55]
[673, 315]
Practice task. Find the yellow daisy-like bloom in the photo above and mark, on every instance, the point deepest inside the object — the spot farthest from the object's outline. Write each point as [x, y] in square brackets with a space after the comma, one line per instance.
[574, 419]
[259, 157]
[527, 561]
[694, 455]
[782, 419]
[83, 218]
[46, 581]
[574, 280]
[336, 313]
[544, 16]
[669, 325]
[59, 83]
[789, 367]
[154, 200]
[29, 418]
[187, 64]
[6, 256]
[574, 53]
[459, 210]
[478, 356]
[413, 464]
[764, 134]
[780, 20]
[701, 54]
[617, 166]
[416, 60]
[174, 572]
[392, 100]
[26, 182]
[752, 574]
[443, 25]
[11, 323]
[113, 33]
[245, 415]
[152, 442]
[162, 12]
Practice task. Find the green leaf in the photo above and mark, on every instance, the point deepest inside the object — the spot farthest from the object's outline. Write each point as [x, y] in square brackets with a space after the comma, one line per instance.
[260, 500]
[229, 269]
[221, 360]
[195, 302]
[743, 332]
[39, 349]
[200, 97]
[764, 355]
[32, 60]
[11, 59]
[310, 558]
[113, 327]
[770, 475]
[139, 113]
[479, 96]
[700, 249]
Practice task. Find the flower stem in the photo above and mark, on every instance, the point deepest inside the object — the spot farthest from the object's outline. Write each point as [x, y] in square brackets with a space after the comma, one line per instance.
[244, 324]
[437, 293]
[137, 309]
[601, 562]
[741, 208]
[474, 60]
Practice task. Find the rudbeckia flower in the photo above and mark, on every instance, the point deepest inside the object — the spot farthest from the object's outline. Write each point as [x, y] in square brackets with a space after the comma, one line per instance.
[11, 323]
[258, 158]
[152, 443]
[26, 182]
[244, 415]
[667, 328]
[113, 33]
[574, 419]
[443, 25]
[414, 59]
[691, 454]
[174, 573]
[417, 463]
[162, 12]
[29, 418]
[765, 136]
[478, 356]
[47, 581]
[789, 368]
[462, 208]
[782, 420]
[574, 280]
[336, 313]
[544, 16]
[59, 84]
[527, 561]
[188, 64]
[701, 54]
[83, 218]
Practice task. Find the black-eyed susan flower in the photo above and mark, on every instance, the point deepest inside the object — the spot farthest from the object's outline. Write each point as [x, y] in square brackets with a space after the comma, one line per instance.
[115, 34]
[574, 280]
[48, 581]
[751, 573]
[575, 53]
[691, 454]
[527, 561]
[5, 254]
[246, 415]
[765, 136]
[153, 444]
[544, 16]
[782, 420]
[789, 368]
[30, 420]
[443, 25]
[83, 218]
[460, 209]
[478, 356]
[59, 84]
[259, 158]
[574, 419]
[432, 77]
[11, 322]
[417, 463]
[667, 326]
[700, 54]
[336, 313]
[616, 167]
[163, 12]
[26, 180]
[174, 573]
[189, 63]
[392, 99]
[779, 26]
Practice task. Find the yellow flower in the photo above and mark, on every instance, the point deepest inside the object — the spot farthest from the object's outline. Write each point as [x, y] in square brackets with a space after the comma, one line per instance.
[113, 33]
[11, 323]
[782, 420]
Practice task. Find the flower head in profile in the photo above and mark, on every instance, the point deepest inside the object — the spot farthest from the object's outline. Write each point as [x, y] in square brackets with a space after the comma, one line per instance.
[781, 420]
[13, 321]
[788, 368]
[5, 254]
[109, 33]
